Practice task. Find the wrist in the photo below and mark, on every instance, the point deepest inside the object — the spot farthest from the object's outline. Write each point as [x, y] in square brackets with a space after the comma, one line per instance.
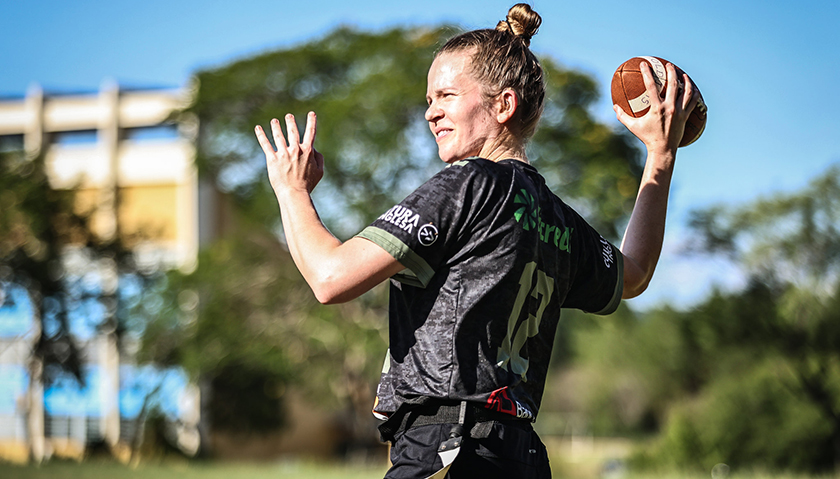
[287, 194]
[661, 155]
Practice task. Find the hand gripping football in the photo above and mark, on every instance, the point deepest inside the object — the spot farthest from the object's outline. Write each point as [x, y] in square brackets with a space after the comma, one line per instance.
[629, 92]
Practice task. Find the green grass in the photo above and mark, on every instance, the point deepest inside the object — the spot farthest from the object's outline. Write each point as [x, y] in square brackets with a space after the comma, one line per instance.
[192, 470]
[102, 469]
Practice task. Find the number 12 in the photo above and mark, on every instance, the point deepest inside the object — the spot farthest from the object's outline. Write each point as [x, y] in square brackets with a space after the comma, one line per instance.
[508, 353]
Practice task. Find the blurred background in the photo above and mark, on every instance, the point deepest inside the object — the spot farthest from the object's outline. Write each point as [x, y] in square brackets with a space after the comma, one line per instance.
[149, 309]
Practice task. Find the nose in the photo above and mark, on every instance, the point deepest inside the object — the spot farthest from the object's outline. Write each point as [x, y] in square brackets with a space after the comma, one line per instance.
[433, 112]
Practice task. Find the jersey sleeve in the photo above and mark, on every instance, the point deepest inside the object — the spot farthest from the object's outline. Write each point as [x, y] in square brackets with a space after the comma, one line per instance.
[422, 230]
[597, 281]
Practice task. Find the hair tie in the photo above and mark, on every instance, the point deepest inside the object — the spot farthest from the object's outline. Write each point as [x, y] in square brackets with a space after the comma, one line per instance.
[510, 27]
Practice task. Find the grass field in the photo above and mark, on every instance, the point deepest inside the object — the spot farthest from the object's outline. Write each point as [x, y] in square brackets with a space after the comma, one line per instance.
[192, 470]
[101, 469]
[280, 470]
[569, 460]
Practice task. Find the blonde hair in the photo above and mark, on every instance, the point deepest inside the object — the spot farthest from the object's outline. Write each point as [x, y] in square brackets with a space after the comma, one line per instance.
[501, 59]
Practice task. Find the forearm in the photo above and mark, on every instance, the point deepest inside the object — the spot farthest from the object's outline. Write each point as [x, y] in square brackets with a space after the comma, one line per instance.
[661, 130]
[642, 243]
[336, 271]
[310, 243]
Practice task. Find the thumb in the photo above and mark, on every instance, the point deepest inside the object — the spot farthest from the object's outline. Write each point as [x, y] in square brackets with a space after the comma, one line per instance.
[621, 116]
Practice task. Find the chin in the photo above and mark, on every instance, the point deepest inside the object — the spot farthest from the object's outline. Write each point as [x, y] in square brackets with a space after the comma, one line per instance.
[451, 158]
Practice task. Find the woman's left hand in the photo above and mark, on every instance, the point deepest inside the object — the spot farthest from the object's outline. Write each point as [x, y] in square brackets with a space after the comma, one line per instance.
[661, 129]
[296, 164]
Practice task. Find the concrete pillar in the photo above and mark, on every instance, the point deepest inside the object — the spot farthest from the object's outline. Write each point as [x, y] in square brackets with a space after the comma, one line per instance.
[109, 362]
[35, 411]
[109, 357]
[106, 223]
[33, 134]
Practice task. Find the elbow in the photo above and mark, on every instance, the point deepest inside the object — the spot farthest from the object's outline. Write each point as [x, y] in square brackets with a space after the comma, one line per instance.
[330, 298]
[633, 289]
[636, 278]
[328, 290]
[327, 295]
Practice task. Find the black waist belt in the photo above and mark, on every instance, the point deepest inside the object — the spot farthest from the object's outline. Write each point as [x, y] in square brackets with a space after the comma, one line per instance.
[444, 412]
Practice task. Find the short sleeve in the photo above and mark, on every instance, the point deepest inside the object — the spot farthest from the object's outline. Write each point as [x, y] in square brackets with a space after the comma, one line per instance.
[422, 230]
[597, 281]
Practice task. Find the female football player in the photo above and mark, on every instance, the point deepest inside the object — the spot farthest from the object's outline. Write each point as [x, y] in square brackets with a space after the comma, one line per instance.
[481, 258]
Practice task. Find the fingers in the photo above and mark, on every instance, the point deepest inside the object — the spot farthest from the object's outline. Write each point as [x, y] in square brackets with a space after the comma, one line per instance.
[690, 98]
[650, 83]
[309, 133]
[294, 141]
[292, 130]
[673, 90]
[267, 148]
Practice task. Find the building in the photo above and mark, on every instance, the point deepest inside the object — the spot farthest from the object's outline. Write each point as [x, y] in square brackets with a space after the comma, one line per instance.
[133, 168]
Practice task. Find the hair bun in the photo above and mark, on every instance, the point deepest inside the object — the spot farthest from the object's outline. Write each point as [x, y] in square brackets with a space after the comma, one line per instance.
[521, 21]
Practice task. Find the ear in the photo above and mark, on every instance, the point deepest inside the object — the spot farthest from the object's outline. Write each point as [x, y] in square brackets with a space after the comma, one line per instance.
[507, 103]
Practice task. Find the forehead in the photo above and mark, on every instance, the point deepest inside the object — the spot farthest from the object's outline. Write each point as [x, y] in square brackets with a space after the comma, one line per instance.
[449, 70]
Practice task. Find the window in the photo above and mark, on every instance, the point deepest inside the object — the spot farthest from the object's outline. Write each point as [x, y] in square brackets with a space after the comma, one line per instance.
[10, 143]
[75, 137]
[166, 131]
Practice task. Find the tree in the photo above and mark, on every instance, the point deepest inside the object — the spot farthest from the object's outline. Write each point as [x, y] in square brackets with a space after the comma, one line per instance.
[750, 377]
[48, 248]
[254, 312]
[791, 243]
[369, 90]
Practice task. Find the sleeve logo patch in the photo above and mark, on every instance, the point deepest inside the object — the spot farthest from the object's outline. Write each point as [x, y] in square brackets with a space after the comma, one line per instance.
[427, 234]
[401, 217]
[609, 259]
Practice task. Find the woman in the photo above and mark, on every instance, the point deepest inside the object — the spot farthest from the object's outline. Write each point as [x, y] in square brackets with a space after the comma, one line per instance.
[482, 257]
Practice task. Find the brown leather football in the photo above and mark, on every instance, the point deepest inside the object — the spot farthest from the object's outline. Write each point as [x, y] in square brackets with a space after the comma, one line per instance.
[629, 92]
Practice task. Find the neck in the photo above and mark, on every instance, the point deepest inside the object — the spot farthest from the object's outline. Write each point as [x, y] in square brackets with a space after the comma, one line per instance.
[504, 146]
[504, 152]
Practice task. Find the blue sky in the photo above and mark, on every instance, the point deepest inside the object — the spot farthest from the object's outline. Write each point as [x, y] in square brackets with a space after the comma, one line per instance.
[767, 71]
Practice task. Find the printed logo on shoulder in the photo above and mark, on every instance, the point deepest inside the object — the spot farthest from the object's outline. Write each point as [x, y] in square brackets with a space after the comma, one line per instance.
[401, 217]
[427, 235]
[526, 214]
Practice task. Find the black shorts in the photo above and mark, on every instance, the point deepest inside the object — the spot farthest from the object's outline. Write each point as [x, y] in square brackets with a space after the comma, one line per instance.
[509, 452]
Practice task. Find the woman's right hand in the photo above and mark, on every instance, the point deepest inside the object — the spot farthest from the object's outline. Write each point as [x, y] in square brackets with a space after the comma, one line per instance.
[296, 164]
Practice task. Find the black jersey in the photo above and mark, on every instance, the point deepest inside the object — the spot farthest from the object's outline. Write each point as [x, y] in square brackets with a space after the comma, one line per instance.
[491, 256]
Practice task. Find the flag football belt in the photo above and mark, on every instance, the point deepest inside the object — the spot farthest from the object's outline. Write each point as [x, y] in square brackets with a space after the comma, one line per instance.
[462, 415]
[445, 413]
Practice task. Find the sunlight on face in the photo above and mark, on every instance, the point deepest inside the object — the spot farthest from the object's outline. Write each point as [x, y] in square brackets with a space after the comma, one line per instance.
[458, 114]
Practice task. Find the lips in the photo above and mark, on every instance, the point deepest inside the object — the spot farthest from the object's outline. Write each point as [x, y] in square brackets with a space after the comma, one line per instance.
[441, 133]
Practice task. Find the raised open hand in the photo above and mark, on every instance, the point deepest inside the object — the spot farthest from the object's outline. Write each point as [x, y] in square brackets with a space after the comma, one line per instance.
[296, 164]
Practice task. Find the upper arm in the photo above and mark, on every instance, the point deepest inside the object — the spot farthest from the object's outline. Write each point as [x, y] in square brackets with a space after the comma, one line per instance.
[357, 265]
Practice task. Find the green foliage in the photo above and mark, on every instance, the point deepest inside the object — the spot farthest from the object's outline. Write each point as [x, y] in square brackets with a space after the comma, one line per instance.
[369, 93]
[753, 419]
[592, 167]
[39, 230]
[245, 321]
[747, 378]
[788, 237]
[246, 308]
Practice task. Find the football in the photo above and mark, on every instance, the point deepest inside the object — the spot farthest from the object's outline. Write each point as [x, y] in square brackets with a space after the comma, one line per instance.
[629, 92]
